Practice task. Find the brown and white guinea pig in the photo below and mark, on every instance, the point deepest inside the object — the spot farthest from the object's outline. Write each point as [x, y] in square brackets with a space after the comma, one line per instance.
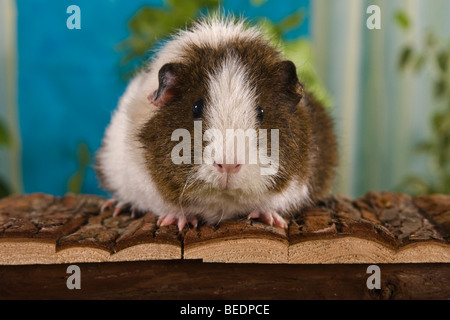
[229, 77]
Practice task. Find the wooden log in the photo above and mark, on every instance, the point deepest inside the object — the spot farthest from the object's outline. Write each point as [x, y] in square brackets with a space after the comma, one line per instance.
[242, 240]
[380, 227]
[42, 229]
[193, 279]
[121, 238]
[31, 225]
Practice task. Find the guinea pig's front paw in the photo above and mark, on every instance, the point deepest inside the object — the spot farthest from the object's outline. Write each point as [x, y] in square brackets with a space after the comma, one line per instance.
[271, 218]
[118, 207]
[179, 221]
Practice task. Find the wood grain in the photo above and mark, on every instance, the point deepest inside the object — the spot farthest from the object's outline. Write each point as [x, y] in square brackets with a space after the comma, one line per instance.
[193, 279]
[380, 227]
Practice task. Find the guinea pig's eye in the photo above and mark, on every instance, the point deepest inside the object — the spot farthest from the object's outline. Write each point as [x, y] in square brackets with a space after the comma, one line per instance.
[260, 114]
[197, 110]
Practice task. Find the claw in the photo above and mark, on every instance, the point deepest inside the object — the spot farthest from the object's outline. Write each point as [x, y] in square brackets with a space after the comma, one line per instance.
[117, 210]
[270, 218]
[117, 206]
[166, 220]
[108, 204]
[180, 222]
[193, 221]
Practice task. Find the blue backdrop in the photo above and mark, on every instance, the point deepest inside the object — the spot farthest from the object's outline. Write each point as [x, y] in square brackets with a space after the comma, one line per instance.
[70, 81]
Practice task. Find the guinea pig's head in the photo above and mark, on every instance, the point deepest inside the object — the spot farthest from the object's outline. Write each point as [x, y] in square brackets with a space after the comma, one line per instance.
[229, 120]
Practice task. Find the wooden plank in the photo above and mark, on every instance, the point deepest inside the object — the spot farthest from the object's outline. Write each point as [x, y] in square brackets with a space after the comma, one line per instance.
[42, 229]
[380, 227]
[193, 279]
[30, 225]
[437, 209]
[120, 238]
[240, 240]
[143, 240]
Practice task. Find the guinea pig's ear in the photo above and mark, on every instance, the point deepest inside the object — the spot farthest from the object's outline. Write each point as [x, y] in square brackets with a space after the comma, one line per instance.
[168, 78]
[289, 79]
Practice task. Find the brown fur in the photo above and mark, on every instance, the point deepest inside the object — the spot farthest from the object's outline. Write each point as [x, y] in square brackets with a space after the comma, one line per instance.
[307, 142]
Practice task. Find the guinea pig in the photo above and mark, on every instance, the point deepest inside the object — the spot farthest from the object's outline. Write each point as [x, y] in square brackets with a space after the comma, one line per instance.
[171, 146]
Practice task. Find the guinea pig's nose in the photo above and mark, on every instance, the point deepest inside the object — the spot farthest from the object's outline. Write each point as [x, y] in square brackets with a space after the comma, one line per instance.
[228, 168]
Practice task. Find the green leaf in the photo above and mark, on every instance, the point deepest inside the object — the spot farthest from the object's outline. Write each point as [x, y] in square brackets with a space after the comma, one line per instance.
[75, 182]
[405, 56]
[183, 4]
[425, 147]
[292, 21]
[439, 87]
[84, 155]
[257, 3]
[416, 186]
[446, 185]
[270, 30]
[419, 62]
[4, 189]
[4, 134]
[442, 60]
[430, 40]
[402, 20]
[152, 24]
[441, 123]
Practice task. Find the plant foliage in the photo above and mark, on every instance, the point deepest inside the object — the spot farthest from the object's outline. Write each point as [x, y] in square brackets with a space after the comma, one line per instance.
[75, 183]
[5, 142]
[434, 54]
[150, 25]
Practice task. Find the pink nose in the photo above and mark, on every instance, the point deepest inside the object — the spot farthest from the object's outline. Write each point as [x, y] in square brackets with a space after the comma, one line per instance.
[228, 168]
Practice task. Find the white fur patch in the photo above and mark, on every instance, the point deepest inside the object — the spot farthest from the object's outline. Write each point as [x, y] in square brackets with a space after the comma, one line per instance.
[122, 160]
[231, 106]
[232, 203]
[232, 102]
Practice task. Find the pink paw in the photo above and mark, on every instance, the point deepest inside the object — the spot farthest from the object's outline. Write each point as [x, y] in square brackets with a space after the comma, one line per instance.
[271, 218]
[180, 222]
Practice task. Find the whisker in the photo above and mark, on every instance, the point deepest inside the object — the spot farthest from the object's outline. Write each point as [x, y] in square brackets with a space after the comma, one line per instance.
[186, 186]
[221, 217]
